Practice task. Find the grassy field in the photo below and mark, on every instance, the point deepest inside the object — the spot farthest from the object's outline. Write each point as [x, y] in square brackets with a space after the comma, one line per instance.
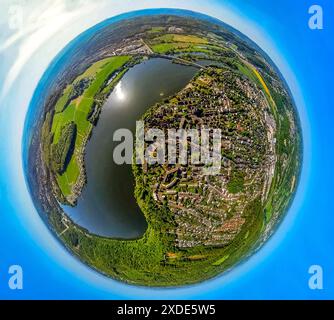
[179, 43]
[167, 47]
[180, 38]
[78, 109]
[164, 48]
[156, 30]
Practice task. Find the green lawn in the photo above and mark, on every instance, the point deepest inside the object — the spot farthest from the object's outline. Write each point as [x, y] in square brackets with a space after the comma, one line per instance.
[177, 42]
[156, 30]
[93, 69]
[60, 105]
[180, 38]
[78, 110]
[165, 47]
[220, 261]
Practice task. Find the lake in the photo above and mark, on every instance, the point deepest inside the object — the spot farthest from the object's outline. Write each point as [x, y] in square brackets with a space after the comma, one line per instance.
[107, 206]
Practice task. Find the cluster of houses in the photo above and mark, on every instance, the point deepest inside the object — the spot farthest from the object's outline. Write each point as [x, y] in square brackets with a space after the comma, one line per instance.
[206, 213]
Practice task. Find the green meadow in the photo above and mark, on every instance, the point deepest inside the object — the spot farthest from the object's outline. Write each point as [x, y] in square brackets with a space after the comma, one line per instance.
[77, 110]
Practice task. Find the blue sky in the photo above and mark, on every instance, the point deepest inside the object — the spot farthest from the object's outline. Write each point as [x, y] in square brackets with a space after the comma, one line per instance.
[280, 268]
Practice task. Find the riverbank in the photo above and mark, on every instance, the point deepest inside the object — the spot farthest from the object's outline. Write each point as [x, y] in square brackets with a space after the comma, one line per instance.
[81, 104]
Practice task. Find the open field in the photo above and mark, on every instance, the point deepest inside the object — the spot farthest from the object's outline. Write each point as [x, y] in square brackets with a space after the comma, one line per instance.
[180, 38]
[76, 108]
[182, 43]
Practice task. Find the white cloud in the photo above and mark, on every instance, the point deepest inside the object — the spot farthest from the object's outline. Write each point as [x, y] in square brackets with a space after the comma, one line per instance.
[49, 19]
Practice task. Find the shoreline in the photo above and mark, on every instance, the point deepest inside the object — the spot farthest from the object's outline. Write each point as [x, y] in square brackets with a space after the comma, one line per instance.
[77, 188]
[97, 110]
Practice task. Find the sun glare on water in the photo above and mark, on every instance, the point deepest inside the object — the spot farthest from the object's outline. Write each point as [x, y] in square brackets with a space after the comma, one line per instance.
[119, 92]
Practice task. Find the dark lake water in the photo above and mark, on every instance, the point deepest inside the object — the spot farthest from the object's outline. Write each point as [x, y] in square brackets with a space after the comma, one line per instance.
[107, 206]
